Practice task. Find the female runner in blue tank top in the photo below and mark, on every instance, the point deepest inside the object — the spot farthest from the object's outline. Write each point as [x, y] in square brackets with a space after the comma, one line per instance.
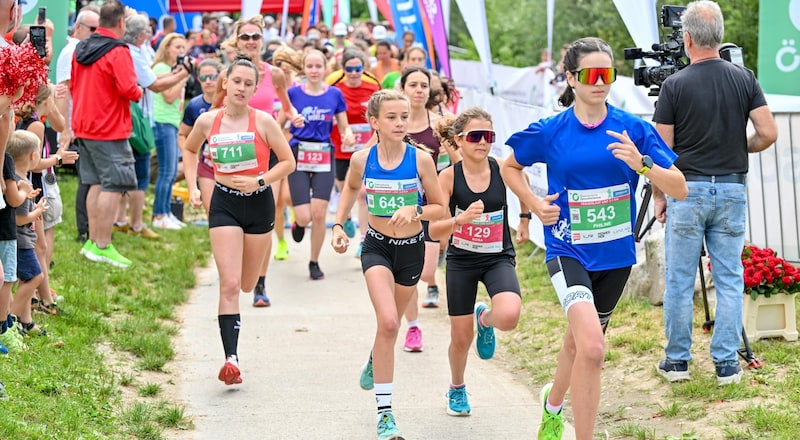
[395, 174]
[480, 247]
[595, 154]
[312, 181]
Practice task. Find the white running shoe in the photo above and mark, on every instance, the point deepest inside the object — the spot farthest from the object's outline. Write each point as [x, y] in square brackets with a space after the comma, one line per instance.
[165, 223]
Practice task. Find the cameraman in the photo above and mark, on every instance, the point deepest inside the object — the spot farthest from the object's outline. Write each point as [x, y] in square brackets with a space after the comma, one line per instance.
[702, 114]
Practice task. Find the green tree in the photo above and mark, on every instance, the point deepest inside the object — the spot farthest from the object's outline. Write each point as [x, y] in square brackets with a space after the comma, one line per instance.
[518, 28]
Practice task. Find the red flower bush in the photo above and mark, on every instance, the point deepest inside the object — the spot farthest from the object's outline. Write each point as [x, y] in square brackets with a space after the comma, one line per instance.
[767, 274]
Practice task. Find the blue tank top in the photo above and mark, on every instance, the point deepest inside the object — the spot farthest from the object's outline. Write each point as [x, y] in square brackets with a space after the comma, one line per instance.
[390, 190]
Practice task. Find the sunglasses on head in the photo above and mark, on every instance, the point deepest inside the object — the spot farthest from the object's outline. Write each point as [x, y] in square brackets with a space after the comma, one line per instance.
[353, 69]
[91, 28]
[589, 75]
[212, 77]
[255, 36]
[475, 136]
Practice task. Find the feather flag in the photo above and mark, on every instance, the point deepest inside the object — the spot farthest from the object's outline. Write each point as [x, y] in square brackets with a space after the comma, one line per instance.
[311, 9]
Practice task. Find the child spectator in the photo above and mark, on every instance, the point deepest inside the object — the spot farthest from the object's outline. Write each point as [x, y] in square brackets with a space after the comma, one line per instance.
[24, 148]
[14, 195]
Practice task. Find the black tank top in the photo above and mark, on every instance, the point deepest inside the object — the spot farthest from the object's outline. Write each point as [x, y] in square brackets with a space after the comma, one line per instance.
[494, 201]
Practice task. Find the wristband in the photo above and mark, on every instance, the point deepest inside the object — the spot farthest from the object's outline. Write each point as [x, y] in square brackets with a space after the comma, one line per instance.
[335, 225]
[526, 215]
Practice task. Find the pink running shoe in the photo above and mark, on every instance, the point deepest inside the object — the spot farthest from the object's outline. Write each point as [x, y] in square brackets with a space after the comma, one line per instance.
[229, 373]
[413, 340]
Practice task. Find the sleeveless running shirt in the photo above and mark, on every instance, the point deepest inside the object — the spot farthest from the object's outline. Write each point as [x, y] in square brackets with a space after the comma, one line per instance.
[487, 236]
[240, 152]
[264, 98]
[390, 190]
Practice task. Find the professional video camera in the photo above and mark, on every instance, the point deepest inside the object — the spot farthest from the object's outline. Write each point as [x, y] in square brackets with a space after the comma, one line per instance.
[669, 54]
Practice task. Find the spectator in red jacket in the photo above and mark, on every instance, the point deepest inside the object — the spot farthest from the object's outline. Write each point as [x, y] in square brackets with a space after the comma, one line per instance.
[103, 85]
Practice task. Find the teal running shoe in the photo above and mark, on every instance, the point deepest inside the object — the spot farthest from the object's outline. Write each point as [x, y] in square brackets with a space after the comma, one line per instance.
[387, 428]
[349, 228]
[457, 402]
[484, 343]
[367, 382]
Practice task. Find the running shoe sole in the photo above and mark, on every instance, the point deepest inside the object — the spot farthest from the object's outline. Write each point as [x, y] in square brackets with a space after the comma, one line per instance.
[101, 259]
[261, 301]
[230, 374]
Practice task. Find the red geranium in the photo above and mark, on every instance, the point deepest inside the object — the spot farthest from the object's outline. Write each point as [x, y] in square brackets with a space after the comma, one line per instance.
[767, 274]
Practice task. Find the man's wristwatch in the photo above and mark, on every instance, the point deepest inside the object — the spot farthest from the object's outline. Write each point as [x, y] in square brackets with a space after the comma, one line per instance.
[526, 215]
[59, 160]
[261, 182]
[647, 164]
[418, 208]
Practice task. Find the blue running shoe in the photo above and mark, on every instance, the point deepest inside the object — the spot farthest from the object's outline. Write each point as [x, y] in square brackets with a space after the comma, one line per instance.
[360, 248]
[484, 343]
[349, 228]
[3, 349]
[260, 296]
[367, 382]
[457, 402]
[387, 428]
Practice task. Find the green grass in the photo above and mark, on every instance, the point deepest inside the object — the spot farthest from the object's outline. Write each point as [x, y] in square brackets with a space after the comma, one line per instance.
[69, 385]
[764, 405]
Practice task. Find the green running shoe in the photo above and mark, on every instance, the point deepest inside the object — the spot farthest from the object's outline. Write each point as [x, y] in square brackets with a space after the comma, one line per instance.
[552, 426]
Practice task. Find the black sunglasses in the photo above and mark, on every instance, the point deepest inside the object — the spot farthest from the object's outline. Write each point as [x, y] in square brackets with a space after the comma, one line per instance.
[255, 36]
[91, 28]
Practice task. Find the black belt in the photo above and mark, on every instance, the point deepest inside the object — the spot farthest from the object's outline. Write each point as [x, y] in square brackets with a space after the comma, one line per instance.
[727, 178]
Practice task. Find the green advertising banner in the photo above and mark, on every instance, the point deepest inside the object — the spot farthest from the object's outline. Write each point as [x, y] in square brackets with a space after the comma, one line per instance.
[58, 13]
[779, 46]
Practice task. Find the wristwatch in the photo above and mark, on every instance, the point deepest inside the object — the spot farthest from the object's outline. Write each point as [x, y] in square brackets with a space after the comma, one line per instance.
[418, 208]
[526, 215]
[647, 164]
[59, 160]
[261, 182]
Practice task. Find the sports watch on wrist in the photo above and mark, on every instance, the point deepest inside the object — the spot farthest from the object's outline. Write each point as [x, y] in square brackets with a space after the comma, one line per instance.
[261, 182]
[526, 215]
[418, 208]
[647, 164]
[59, 160]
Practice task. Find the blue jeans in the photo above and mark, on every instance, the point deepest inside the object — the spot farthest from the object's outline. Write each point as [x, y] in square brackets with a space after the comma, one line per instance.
[716, 212]
[167, 151]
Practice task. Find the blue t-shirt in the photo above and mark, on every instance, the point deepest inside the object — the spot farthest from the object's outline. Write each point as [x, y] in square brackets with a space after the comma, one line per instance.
[196, 107]
[596, 190]
[318, 111]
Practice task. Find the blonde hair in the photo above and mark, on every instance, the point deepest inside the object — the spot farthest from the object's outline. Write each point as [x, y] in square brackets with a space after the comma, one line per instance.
[161, 53]
[22, 142]
[286, 54]
[258, 21]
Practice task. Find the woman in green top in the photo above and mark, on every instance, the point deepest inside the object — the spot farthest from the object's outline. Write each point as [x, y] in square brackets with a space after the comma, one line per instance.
[167, 111]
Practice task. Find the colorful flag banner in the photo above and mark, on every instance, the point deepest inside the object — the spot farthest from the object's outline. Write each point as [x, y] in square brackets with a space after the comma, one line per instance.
[407, 16]
[435, 18]
[310, 15]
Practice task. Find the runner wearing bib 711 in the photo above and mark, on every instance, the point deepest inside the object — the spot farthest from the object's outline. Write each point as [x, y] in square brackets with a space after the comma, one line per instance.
[242, 210]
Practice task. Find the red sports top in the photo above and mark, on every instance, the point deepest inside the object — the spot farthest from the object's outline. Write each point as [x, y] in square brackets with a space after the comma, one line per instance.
[356, 100]
[238, 153]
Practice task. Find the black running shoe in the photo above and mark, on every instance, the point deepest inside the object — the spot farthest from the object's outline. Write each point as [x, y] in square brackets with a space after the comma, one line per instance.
[314, 271]
[298, 232]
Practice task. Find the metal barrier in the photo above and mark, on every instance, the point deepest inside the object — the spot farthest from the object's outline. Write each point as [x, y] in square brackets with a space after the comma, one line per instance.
[772, 190]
